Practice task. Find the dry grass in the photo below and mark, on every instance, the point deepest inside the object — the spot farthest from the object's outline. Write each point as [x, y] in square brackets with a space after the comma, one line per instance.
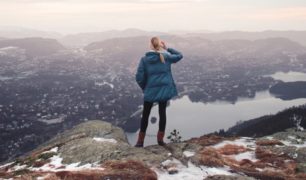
[230, 149]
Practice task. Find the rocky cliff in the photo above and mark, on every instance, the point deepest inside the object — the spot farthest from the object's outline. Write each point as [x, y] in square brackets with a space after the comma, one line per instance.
[99, 150]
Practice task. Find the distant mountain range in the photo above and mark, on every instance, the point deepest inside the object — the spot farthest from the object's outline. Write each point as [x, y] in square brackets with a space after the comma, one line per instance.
[20, 32]
[298, 36]
[87, 38]
[198, 46]
[83, 39]
[34, 46]
[132, 44]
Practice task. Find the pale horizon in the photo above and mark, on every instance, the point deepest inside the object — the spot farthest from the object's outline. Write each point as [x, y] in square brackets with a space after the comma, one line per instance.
[8, 28]
[77, 16]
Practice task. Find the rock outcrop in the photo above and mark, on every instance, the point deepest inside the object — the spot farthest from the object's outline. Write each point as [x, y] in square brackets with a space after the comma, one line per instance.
[99, 150]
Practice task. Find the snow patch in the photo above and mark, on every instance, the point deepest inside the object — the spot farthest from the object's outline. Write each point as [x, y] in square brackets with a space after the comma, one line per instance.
[5, 165]
[269, 137]
[250, 155]
[56, 164]
[189, 172]
[210, 171]
[243, 141]
[300, 145]
[55, 149]
[99, 139]
[17, 167]
[188, 153]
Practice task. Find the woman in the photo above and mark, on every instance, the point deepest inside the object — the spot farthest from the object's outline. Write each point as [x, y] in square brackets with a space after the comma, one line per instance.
[155, 79]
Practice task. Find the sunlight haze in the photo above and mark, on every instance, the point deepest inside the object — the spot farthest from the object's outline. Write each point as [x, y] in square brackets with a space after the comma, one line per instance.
[71, 16]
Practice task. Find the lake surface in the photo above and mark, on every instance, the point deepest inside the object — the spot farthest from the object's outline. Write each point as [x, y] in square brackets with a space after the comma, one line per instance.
[290, 76]
[193, 119]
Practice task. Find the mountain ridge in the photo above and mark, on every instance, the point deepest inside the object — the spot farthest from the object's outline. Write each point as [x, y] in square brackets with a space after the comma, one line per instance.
[34, 46]
[84, 38]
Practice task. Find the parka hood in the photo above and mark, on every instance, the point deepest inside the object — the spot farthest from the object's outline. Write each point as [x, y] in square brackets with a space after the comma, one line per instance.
[152, 57]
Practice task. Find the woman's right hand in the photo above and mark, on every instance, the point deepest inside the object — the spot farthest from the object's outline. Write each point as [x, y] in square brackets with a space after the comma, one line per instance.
[163, 45]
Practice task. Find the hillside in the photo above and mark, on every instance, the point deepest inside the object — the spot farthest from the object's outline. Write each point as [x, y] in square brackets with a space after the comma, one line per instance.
[34, 46]
[297, 36]
[289, 90]
[98, 150]
[22, 32]
[270, 124]
[268, 48]
[82, 39]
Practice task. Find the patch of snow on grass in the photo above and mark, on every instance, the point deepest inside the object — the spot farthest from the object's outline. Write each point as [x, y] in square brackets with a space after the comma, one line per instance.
[75, 166]
[243, 141]
[291, 137]
[40, 178]
[18, 167]
[301, 145]
[5, 165]
[55, 149]
[269, 137]
[188, 153]
[99, 139]
[189, 172]
[250, 155]
[56, 164]
[210, 171]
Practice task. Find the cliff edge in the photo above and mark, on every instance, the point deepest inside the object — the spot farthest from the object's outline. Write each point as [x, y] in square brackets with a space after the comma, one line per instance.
[99, 150]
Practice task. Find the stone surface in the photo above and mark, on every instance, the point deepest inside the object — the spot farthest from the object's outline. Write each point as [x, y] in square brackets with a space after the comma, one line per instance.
[78, 145]
[102, 145]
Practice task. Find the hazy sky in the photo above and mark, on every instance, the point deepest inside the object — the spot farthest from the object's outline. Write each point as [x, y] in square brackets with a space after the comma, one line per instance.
[95, 15]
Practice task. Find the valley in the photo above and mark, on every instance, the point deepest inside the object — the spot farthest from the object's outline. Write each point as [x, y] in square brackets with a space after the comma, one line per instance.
[44, 94]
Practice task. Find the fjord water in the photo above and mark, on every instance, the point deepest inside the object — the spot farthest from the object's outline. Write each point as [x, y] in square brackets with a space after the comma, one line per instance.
[193, 119]
[290, 76]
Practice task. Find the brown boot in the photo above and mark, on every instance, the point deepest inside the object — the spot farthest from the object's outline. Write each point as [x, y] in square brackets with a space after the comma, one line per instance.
[141, 136]
[160, 137]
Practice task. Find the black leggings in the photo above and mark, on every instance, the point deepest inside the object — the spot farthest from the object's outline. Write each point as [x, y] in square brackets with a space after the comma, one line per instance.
[147, 106]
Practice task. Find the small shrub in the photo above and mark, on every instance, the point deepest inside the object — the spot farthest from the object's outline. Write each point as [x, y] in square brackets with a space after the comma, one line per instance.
[175, 136]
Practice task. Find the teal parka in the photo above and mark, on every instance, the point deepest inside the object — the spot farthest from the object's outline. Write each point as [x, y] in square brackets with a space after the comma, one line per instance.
[155, 77]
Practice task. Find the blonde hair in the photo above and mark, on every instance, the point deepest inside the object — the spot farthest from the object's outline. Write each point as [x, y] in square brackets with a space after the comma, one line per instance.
[155, 44]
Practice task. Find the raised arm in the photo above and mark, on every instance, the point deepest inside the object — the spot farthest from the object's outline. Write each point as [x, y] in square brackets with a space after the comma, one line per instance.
[140, 76]
[174, 55]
